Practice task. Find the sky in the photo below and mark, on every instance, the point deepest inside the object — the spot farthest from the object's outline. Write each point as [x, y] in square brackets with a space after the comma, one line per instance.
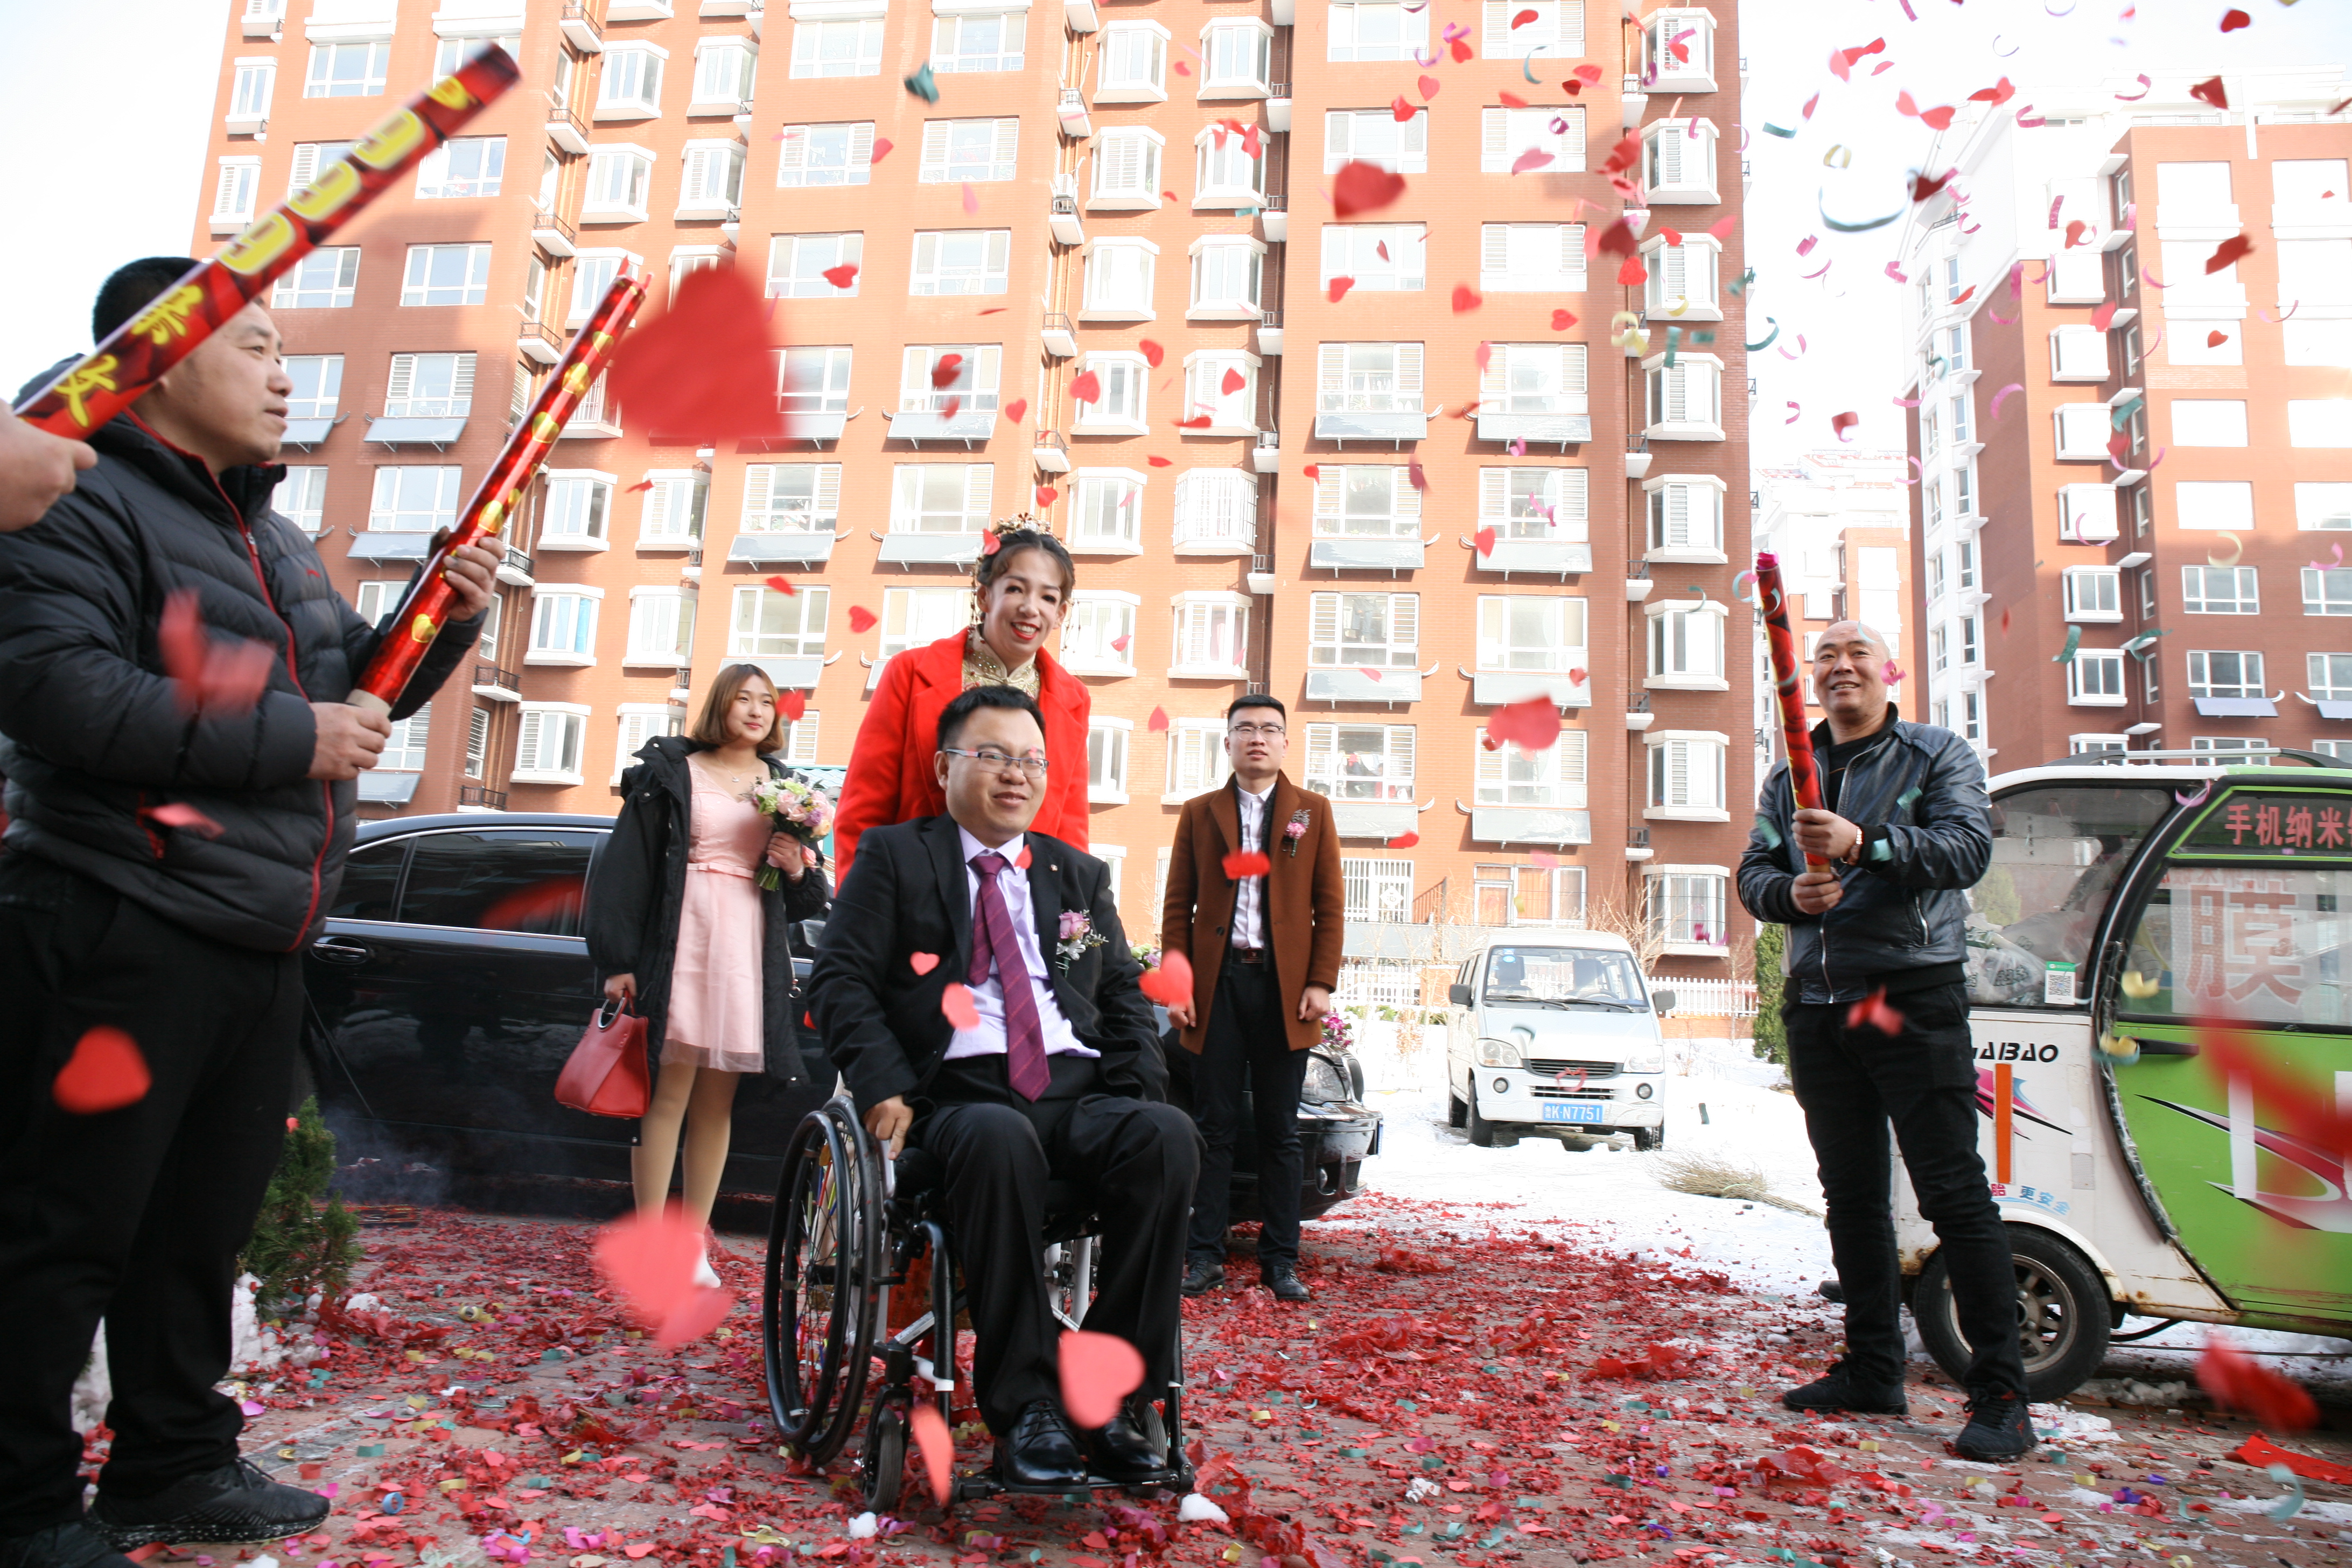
[108, 189]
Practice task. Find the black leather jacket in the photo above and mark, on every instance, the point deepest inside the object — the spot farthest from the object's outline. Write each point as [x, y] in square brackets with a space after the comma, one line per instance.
[1919, 796]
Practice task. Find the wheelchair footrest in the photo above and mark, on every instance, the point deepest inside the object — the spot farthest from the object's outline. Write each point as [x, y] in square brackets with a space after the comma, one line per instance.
[980, 1485]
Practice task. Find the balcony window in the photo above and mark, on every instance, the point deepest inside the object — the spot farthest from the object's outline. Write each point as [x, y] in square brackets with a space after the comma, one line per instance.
[2093, 593]
[1682, 282]
[638, 723]
[1361, 761]
[961, 261]
[1550, 780]
[2095, 678]
[1236, 59]
[309, 157]
[1366, 503]
[813, 380]
[1126, 168]
[577, 503]
[547, 743]
[769, 625]
[2190, 287]
[1381, 258]
[630, 87]
[234, 193]
[791, 497]
[446, 275]
[1556, 28]
[1529, 258]
[429, 386]
[848, 46]
[1224, 174]
[1686, 398]
[2225, 674]
[1106, 741]
[1370, 378]
[413, 499]
[942, 498]
[1363, 631]
[1679, 162]
[933, 376]
[1220, 386]
[591, 274]
[1228, 273]
[797, 265]
[916, 617]
[248, 99]
[318, 385]
[1685, 517]
[2329, 676]
[1375, 30]
[1106, 509]
[1534, 503]
[1132, 66]
[1376, 136]
[2221, 591]
[2084, 430]
[1520, 634]
[661, 627]
[347, 70]
[562, 626]
[618, 179]
[1687, 768]
[1506, 135]
[980, 41]
[300, 498]
[2078, 353]
[468, 166]
[1687, 644]
[321, 280]
[712, 185]
[1099, 632]
[2327, 590]
[841, 153]
[969, 151]
[1686, 904]
[1118, 278]
[1533, 378]
[1196, 758]
[1216, 511]
[1122, 379]
[1212, 636]
[676, 502]
[2214, 503]
[725, 72]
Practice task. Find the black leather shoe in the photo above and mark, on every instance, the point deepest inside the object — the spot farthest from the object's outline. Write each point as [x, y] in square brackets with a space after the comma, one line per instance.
[1999, 1427]
[1202, 1275]
[236, 1502]
[1283, 1280]
[1124, 1451]
[1839, 1389]
[74, 1545]
[1040, 1453]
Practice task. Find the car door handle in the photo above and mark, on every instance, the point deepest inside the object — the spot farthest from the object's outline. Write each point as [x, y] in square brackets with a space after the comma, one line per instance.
[335, 952]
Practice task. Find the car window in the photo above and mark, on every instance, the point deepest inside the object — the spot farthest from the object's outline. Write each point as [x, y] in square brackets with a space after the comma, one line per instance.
[1560, 974]
[511, 879]
[2058, 851]
[2260, 944]
[371, 879]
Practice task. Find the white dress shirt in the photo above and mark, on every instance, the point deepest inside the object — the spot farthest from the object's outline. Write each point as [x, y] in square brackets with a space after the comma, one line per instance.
[1249, 895]
[987, 1039]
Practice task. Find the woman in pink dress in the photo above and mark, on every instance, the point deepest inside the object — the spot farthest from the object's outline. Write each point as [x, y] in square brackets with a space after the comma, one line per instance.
[679, 926]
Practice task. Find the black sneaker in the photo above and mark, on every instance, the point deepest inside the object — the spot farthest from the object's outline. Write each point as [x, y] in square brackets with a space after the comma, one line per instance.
[236, 1502]
[74, 1545]
[1839, 1389]
[1201, 1276]
[1999, 1427]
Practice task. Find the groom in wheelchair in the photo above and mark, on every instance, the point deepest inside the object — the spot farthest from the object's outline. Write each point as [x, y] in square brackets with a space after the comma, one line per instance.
[1055, 1078]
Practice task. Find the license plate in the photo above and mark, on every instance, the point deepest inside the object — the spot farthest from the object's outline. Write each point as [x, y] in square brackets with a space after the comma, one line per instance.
[1573, 1110]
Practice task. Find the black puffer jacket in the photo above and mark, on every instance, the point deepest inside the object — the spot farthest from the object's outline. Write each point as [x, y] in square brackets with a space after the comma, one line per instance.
[1919, 797]
[95, 735]
[638, 885]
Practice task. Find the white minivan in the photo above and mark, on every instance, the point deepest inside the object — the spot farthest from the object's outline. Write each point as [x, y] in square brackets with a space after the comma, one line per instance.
[1556, 1035]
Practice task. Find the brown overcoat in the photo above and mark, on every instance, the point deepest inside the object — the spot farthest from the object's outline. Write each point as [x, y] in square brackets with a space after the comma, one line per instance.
[1306, 900]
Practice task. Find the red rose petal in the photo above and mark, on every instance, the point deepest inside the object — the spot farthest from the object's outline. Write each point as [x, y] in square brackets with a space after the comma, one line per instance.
[793, 706]
[179, 814]
[935, 1446]
[1170, 984]
[1119, 644]
[1361, 187]
[957, 1006]
[1047, 495]
[1159, 462]
[1242, 864]
[1016, 410]
[922, 962]
[1402, 110]
[650, 1260]
[1337, 290]
[882, 146]
[840, 277]
[861, 618]
[1562, 320]
[1158, 719]
[1314, 470]
[1098, 1371]
[1153, 353]
[1465, 300]
[705, 366]
[2229, 250]
[944, 374]
[1404, 841]
[105, 1072]
[782, 584]
[1086, 387]
[1484, 540]
[2233, 19]
[1512, 100]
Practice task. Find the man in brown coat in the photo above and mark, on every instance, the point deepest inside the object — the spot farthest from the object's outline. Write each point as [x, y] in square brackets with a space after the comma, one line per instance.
[1265, 949]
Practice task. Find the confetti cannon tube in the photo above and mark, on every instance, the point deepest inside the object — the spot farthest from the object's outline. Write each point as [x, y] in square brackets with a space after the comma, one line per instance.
[1788, 684]
[423, 609]
[136, 354]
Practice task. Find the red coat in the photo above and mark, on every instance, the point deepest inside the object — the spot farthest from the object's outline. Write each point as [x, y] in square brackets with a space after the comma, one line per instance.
[891, 777]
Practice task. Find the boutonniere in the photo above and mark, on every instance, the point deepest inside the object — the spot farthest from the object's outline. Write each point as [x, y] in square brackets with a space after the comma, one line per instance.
[1293, 832]
[1077, 934]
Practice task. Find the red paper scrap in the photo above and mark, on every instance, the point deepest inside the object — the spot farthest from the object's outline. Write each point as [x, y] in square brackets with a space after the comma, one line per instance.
[105, 1072]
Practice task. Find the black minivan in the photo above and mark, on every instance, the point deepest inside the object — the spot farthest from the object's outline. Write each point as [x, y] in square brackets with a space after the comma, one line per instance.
[452, 982]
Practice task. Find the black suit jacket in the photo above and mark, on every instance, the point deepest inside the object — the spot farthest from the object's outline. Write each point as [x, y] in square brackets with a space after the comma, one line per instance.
[905, 894]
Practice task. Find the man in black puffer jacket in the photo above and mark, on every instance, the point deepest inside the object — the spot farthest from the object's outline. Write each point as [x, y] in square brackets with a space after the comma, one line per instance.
[165, 863]
[1877, 1015]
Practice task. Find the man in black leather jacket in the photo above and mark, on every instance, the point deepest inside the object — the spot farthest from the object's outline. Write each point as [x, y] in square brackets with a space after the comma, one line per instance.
[1876, 1011]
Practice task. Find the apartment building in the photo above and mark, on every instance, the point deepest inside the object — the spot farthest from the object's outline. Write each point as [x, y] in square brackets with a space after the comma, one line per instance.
[1052, 273]
[1839, 523]
[2137, 444]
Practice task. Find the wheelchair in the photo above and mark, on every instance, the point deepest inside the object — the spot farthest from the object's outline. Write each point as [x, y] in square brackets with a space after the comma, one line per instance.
[848, 1225]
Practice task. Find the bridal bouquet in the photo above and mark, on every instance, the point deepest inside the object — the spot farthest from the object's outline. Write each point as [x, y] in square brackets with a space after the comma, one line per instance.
[797, 808]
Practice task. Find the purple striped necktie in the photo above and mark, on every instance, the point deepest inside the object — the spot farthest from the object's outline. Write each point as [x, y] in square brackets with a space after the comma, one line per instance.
[1024, 1036]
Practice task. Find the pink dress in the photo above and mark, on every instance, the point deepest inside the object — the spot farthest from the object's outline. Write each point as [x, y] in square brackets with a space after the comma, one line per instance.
[717, 1008]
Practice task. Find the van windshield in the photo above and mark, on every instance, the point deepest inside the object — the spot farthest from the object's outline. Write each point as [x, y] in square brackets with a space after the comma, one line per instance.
[1563, 976]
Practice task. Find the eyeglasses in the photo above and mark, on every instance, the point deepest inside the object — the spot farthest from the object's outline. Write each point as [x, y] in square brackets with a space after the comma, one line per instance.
[989, 757]
[1271, 732]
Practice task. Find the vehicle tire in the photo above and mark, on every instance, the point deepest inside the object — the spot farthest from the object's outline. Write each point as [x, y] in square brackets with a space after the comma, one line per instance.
[1456, 1114]
[1482, 1132]
[1648, 1138]
[882, 1468]
[2067, 1314]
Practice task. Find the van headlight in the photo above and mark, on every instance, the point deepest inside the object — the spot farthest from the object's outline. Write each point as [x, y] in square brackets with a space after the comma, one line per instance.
[1326, 1080]
[1646, 1061]
[1493, 1053]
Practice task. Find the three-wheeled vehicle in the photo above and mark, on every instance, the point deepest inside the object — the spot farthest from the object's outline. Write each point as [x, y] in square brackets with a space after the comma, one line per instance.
[2144, 916]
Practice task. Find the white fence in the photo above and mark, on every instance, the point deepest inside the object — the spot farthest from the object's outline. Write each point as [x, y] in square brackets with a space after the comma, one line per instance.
[1707, 998]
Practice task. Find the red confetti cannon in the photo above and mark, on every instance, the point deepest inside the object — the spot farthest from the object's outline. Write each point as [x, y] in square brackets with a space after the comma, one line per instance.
[1804, 775]
[138, 354]
[424, 607]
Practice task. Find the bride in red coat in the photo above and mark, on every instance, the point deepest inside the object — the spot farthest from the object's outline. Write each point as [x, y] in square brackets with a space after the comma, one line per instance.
[1023, 588]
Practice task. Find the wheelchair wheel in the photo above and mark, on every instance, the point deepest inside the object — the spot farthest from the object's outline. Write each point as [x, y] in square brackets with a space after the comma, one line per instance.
[882, 1468]
[822, 1282]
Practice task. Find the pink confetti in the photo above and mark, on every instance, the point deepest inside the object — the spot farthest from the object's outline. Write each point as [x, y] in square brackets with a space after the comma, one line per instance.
[2003, 395]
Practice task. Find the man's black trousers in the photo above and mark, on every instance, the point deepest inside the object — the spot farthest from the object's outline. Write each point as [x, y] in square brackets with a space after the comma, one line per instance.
[1138, 1158]
[1246, 1038]
[134, 1215]
[1852, 1082]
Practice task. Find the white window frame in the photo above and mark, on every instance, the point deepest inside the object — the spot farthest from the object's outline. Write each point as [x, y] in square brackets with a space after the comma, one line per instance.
[448, 498]
[2322, 506]
[629, 81]
[928, 277]
[301, 497]
[645, 647]
[2078, 353]
[1565, 366]
[916, 617]
[1013, 23]
[1224, 37]
[2214, 503]
[568, 489]
[236, 192]
[2244, 595]
[531, 719]
[1403, 520]
[1128, 85]
[1345, 26]
[253, 84]
[2088, 514]
[476, 290]
[1557, 29]
[1661, 72]
[712, 183]
[810, 39]
[736, 94]
[1218, 253]
[1197, 614]
[2080, 432]
[1703, 498]
[640, 723]
[299, 286]
[587, 601]
[1661, 881]
[1499, 275]
[2319, 423]
[1124, 408]
[1229, 413]
[1554, 779]
[619, 184]
[783, 263]
[1378, 888]
[1705, 756]
[376, 55]
[1138, 188]
[435, 183]
[2222, 426]
[1094, 491]
[1497, 654]
[938, 165]
[2093, 596]
[1109, 745]
[1338, 373]
[676, 506]
[1393, 785]
[1197, 762]
[403, 398]
[2327, 590]
[1683, 282]
[1695, 383]
[1120, 276]
[1224, 174]
[1096, 618]
[324, 372]
[1663, 676]
[810, 609]
[1352, 250]
[1327, 644]
[1679, 162]
[978, 485]
[1505, 135]
[796, 142]
[1215, 513]
[1403, 144]
[2249, 684]
[1509, 505]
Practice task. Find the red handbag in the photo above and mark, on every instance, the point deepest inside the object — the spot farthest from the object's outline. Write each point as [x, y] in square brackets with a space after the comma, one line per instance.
[606, 1075]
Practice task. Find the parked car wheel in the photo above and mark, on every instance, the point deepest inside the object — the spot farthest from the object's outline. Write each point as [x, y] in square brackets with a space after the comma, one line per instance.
[1648, 1138]
[2067, 1314]
[1483, 1133]
[1457, 1114]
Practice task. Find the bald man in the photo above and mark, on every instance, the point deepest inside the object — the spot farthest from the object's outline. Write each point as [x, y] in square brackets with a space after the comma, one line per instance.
[1906, 832]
